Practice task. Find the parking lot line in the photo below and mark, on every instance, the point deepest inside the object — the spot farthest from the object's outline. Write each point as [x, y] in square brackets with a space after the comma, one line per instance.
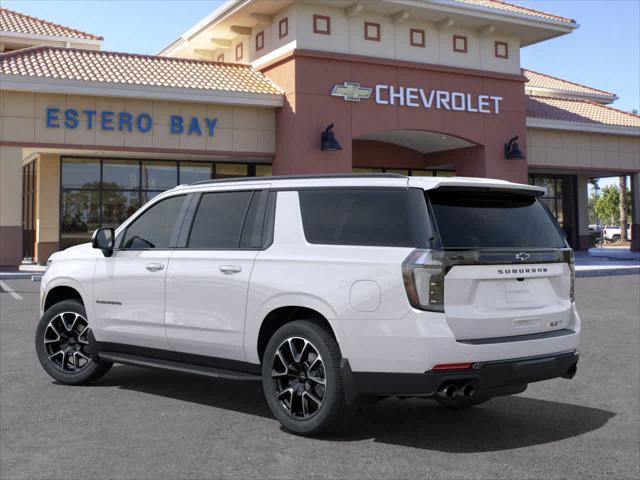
[10, 291]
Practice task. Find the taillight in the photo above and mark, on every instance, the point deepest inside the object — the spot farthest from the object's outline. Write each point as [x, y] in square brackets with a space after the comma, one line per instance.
[423, 273]
[570, 258]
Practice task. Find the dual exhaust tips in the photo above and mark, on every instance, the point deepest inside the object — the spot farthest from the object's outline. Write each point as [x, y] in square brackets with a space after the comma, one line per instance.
[451, 390]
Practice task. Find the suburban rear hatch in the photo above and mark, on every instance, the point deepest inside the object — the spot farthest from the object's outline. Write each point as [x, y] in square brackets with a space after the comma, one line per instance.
[507, 266]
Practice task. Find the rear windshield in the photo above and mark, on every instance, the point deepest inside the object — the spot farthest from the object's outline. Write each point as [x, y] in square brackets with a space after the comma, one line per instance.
[468, 219]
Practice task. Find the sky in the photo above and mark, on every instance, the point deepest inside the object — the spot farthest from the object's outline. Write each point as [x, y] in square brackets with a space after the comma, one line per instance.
[603, 53]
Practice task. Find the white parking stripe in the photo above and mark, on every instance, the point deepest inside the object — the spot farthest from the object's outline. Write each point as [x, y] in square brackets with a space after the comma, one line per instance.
[10, 291]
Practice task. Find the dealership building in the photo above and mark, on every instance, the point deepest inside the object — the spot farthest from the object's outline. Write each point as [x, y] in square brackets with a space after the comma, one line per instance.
[419, 87]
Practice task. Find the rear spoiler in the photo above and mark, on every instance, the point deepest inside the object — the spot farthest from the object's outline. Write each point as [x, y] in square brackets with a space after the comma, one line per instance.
[487, 185]
[527, 192]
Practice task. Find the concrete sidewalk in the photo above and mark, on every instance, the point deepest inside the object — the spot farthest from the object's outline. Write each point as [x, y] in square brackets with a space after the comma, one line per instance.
[607, 261]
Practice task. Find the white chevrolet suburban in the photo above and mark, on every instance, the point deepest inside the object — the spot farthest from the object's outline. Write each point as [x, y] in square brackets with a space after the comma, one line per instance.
[329, 289]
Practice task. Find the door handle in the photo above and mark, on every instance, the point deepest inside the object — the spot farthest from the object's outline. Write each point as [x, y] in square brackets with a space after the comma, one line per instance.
[154, 267]
[230, 269]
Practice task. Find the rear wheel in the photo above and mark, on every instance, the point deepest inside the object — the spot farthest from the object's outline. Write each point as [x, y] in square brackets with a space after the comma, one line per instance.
[62, 345]
[301, 379]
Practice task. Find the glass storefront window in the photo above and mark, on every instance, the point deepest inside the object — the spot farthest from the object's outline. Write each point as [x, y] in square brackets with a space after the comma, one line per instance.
[80, 173]
[191, 172]
[159, 175]
[422, 173]
[264, 171]
[121, 174]
[79, 216]
[397, 171]
[552, 197]
[105, 192]
[117, 206]
[231, 170]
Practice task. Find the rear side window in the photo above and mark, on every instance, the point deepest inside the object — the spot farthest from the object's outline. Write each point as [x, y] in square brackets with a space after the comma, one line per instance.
[228, 220]
[368, 217]
[483, 219]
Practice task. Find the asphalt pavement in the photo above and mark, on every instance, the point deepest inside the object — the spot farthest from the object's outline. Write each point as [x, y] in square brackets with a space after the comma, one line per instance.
[151, 424]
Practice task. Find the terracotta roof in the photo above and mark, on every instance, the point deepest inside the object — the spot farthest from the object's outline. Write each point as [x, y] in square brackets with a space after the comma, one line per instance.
[580, 111]
[16, 22]
[511, 8]
[541, 80]
[132, 69]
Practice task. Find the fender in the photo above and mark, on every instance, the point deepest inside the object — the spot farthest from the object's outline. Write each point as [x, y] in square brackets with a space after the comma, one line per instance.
[253, 321]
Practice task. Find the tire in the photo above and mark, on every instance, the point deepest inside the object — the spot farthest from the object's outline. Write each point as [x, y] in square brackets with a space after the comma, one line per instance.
[67, 358]
[299, 357]
[460, 403]
[615, 238]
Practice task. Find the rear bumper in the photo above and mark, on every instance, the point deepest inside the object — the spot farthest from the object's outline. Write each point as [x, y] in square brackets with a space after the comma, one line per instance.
[492, 378]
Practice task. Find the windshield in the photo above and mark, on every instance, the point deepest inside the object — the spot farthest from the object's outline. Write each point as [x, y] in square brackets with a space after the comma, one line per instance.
[490, 219]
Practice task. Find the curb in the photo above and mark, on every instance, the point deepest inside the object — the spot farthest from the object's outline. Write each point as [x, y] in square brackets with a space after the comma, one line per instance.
[614, 272]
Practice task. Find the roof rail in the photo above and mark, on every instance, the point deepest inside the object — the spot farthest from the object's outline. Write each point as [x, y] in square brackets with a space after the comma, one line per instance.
[301, 177]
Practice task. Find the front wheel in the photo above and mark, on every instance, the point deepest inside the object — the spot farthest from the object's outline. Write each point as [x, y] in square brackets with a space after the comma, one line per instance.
[62, 345]
[301, 379]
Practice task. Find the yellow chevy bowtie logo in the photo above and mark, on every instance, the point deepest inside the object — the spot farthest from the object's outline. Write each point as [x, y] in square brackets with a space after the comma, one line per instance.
[351, 91]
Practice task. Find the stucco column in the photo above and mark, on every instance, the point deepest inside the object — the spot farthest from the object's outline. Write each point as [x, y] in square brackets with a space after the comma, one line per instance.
[10, 206]
[635, 212]
[582, 203]
[47, 207]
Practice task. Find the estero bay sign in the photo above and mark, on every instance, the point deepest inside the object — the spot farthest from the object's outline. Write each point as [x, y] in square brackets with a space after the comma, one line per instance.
[418, 97]
[107, 120]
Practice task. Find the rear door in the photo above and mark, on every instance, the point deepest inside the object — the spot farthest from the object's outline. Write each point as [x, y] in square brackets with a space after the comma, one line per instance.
[208, 277]
[508, 269]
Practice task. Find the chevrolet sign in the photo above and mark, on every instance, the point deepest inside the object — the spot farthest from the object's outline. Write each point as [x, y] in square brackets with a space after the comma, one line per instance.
[416, 97]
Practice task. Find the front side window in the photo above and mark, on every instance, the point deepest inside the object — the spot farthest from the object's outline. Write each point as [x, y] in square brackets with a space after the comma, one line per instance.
[219, 220]
[155, 227]
[379, 217]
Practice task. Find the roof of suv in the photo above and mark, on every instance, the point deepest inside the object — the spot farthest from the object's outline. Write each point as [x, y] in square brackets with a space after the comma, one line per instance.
[356, 180]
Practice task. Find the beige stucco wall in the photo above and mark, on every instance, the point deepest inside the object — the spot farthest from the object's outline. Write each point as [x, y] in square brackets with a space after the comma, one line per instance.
[10, 186]
[347, 36]
[48, 201]
[558, 148]
[239, 129]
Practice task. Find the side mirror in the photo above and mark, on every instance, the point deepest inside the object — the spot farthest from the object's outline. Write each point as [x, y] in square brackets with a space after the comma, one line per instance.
[104, 238]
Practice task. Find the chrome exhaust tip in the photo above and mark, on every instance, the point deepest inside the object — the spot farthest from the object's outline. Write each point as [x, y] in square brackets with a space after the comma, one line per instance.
[448, 391]
[468, 390]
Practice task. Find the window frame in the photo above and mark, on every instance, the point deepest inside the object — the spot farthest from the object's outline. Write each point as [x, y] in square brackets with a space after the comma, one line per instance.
[496, 52]
[465, 49]
[283, 28]
[378, 28]
[422, 34]
[239, 51]
[259, 41]
[316, 26]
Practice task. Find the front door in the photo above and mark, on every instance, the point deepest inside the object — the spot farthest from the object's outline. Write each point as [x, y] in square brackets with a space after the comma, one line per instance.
[129, 286]
[208, 279]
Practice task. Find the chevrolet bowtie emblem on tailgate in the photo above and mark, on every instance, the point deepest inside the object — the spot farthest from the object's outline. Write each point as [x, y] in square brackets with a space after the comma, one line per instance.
[522, 256]
[351, 91]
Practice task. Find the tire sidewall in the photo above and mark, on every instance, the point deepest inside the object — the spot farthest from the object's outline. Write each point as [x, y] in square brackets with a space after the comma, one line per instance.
[333, 403]
[92, 371]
